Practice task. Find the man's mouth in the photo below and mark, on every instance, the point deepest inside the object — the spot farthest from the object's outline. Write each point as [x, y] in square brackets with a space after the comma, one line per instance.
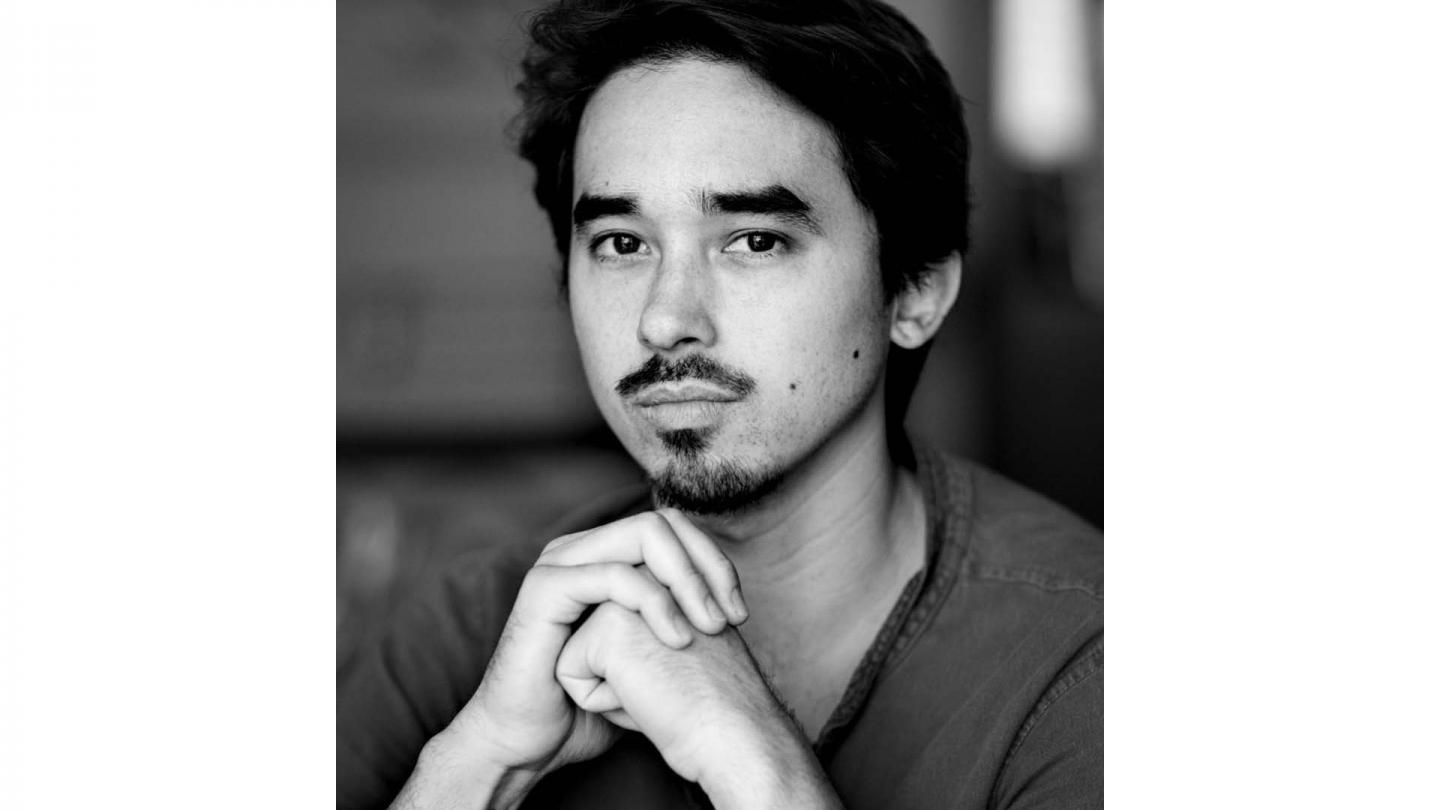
[691, 393]
[660, 377]
[683, 406]
[686, 392]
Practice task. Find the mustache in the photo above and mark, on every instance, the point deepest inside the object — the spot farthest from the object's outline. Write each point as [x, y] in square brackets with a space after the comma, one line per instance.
[691, 367]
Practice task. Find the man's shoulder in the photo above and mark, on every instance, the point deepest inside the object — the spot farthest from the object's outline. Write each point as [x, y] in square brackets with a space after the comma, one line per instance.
[1007, 532]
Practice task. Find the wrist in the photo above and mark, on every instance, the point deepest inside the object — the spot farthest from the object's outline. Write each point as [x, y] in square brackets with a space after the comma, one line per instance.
[768, 765]
[453, 772]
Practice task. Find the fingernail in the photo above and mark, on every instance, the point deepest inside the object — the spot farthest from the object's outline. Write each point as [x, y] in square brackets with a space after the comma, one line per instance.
[737, 603]
[715, 613]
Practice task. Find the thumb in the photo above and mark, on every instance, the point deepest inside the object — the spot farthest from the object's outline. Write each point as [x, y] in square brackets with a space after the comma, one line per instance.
[579, 671]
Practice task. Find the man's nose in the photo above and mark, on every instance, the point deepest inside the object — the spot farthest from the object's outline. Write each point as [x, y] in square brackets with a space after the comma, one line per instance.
[678, 306]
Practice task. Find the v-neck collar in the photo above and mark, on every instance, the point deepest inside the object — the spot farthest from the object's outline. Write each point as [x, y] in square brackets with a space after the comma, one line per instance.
[947, 503]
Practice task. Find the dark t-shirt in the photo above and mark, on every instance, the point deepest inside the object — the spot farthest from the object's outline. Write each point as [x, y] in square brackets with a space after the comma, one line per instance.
[983, 688]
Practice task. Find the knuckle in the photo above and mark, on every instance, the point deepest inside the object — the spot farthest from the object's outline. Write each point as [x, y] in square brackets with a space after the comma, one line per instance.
[609, 610]
[618, 576]
[564, 542]
[536, 577]
[658, 600]
[554, 546]
[611, 615]
[724, 572]
[651, 522]
[693, 580]
[536, 581]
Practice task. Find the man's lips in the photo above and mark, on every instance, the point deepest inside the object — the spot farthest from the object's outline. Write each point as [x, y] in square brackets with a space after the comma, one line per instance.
[671, 393]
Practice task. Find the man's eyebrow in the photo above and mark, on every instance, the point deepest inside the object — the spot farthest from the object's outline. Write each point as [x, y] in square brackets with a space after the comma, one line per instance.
[591, 207]
[777, 201]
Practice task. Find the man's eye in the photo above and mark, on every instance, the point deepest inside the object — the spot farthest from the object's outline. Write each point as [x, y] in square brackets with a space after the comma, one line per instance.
[755, 242]
[617, 244]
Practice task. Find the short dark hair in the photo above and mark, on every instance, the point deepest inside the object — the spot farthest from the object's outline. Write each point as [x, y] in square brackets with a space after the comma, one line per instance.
[856, 64]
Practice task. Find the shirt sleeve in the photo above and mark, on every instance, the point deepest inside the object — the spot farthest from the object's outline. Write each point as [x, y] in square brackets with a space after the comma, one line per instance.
[412, 683]
[1058, 760]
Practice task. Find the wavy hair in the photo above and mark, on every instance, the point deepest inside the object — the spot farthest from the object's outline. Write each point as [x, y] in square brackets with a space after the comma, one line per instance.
[856, 64]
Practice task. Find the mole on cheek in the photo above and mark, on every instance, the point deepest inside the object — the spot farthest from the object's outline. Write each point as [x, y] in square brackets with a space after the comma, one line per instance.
[792, 386]
[856, 354]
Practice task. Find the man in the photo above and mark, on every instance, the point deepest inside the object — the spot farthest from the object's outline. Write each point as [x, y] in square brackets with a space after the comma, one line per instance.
[762, 210]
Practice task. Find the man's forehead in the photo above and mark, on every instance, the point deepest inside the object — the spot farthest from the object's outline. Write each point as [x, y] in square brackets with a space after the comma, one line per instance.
[699, 130]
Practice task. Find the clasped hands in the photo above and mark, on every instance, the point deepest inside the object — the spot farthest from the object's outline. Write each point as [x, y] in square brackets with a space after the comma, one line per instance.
[555, 694]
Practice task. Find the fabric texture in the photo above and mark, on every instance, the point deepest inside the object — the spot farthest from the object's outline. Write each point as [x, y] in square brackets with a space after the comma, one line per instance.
[983, 689]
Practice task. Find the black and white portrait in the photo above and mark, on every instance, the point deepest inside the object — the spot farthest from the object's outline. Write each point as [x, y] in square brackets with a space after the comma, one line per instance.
[735, 404]
[719, 414]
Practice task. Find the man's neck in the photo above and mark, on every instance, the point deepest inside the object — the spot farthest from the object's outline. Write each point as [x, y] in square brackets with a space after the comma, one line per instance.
[824, 558]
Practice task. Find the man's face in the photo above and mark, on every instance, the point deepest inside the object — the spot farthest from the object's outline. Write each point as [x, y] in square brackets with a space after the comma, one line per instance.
[724, 281]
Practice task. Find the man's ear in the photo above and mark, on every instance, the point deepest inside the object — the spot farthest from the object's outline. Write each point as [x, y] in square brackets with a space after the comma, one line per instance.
[917, 312]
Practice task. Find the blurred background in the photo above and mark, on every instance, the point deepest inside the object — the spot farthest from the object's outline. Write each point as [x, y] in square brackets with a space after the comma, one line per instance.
[462, 415]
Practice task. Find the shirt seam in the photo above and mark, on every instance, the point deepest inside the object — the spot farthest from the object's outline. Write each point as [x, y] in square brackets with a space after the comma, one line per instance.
[952, 535]
[918, 604]
[1072, 676]
[985, 572]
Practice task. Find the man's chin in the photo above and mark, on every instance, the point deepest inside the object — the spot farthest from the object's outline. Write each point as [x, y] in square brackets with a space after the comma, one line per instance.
[707, 487]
